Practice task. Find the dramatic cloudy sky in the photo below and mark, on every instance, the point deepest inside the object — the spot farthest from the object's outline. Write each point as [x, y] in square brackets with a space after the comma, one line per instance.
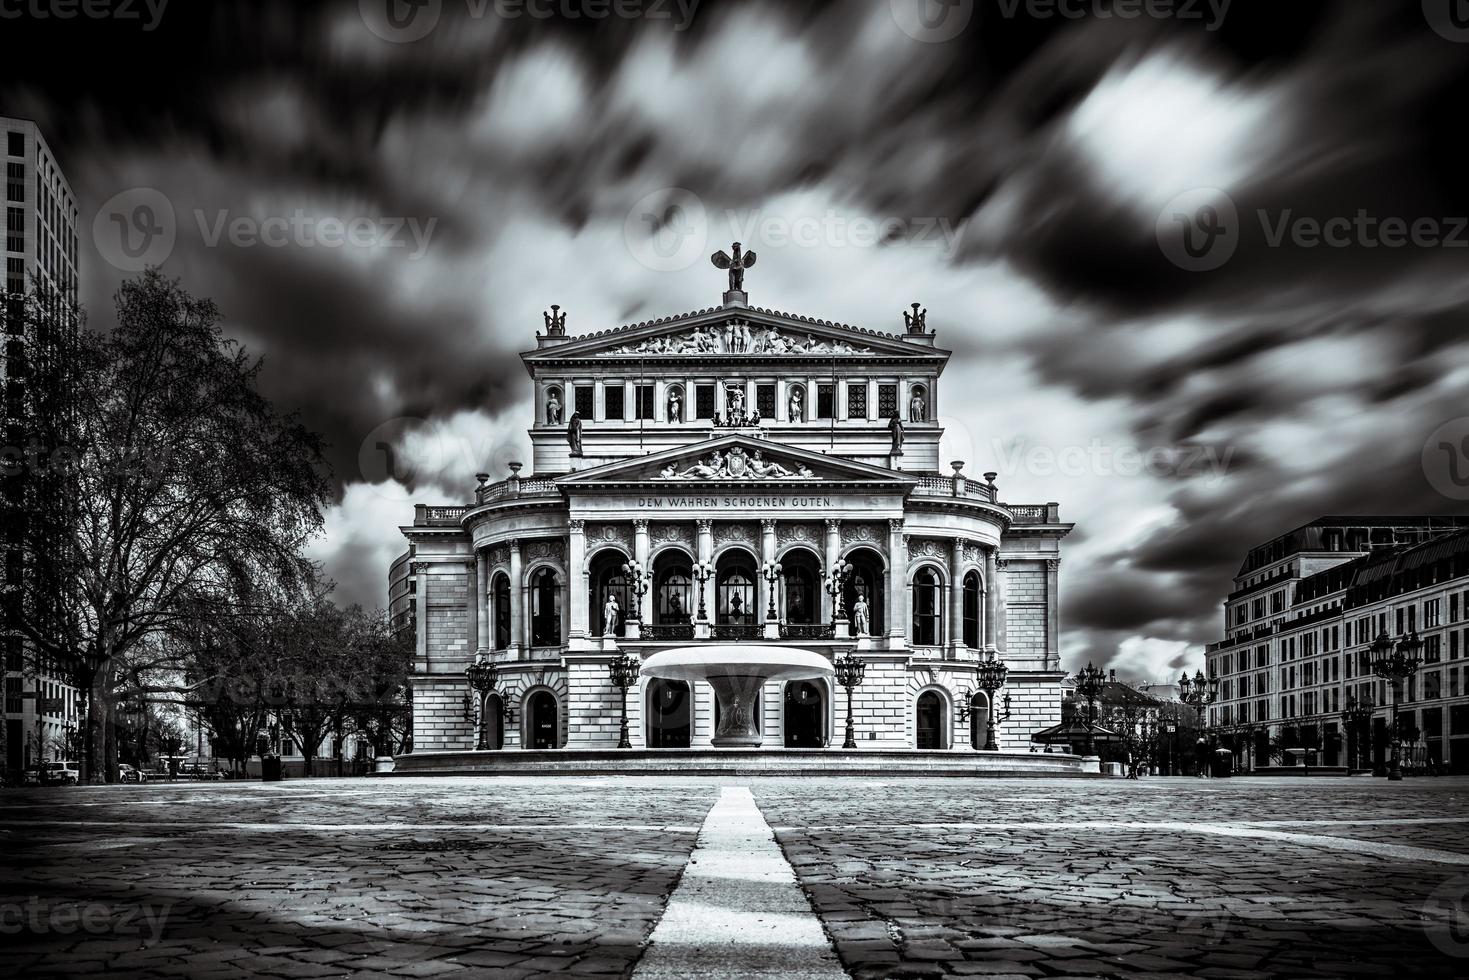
[1020, 162]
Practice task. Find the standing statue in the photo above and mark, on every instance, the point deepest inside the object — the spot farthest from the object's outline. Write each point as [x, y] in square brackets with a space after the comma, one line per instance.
[797, 410]
[610, 616]
[675, 406]
[553, 409]
[573, 434]
[675, 606]
[917, 408]
[736, 264]
[736, 398]
[736, 608]
[895, 429]
[860, 614]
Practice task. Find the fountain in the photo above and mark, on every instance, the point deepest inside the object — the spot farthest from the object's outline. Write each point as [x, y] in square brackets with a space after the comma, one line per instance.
[737, 674]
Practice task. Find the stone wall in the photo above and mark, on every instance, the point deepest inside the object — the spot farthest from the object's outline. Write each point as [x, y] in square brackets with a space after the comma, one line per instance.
[448, 648]
[1025, 614]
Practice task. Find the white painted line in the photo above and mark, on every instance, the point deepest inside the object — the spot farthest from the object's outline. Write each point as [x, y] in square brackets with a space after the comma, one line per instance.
[738, 911]
[215, 825]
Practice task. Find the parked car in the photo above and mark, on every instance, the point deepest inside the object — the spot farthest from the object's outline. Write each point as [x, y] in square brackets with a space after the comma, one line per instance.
[31, 777]
[128, 774]
[62, 773]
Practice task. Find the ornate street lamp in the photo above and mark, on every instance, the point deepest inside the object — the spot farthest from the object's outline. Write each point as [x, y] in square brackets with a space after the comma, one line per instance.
[1089, 683]
[836, 579]
[1354, 719]
[770, 571]
[703, 572]
[482, 675]
[637, 584]
[624, 675]
[850, 671]
[1198, 693]
[992, 674]
[1395, 663]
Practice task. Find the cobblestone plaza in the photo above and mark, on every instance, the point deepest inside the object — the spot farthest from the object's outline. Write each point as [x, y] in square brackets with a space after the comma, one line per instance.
[655, 877]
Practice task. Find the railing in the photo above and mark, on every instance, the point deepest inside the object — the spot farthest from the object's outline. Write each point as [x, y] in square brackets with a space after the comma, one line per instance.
[937, 485]
[668, 631]
[1029, 513]
[808, 631]
[736, 631]
[531, 486]
[425, 515]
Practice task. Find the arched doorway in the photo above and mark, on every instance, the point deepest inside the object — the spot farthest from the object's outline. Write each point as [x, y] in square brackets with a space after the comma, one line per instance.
[801, 570]
[979, 719]
[545, 608]
[541, 720]
[735, 602]
[670, 714]
[673, 594]
[805, 715]
[607, 581]
[866, 580]
[928, 604]
[929, 721]
[494, 722]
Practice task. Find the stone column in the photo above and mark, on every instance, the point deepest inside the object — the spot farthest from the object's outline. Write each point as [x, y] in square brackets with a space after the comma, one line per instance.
[576, 600]
[640, 553]
[518, 617]
[987, 629]
[599, 404]
[897, 610]
[660, 401]
[1002, 566]
[956, 594]
[833, 552]
[419, 570]
[479, 602]
[1053, 614]
[872, 415]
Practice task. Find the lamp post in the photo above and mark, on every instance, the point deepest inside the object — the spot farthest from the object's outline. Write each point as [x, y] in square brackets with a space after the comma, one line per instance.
[703, 571]
[624, 675]
[991, 675]
[482, 675]
[770, 571]
[1354, 718]
[1395, 663]
[1198, 692]
[850, 671]
[836, 578]
[1089, 682]
[637, 584]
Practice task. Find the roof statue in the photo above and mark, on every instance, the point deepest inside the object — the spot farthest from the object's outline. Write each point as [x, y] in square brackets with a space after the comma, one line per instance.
[736, 264]
[917, 322]
[555, 322]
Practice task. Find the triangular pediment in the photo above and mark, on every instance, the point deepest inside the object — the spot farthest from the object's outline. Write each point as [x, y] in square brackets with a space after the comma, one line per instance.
[737, 332]
[740, 460]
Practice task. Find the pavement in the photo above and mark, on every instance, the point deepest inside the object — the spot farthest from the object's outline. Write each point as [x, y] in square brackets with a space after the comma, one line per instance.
[665, 876]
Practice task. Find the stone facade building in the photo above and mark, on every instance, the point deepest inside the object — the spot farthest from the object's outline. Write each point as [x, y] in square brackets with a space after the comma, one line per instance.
[705, 450]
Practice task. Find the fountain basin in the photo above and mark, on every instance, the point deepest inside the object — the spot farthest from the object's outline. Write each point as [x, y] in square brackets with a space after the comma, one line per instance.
[737, 674]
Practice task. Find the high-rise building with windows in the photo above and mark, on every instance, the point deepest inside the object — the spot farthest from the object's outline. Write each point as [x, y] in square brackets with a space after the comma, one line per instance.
[41, 258]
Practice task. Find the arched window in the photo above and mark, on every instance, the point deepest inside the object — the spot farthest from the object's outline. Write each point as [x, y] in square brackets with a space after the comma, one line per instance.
[545, 608]
[979, 719]
[971, 610]
[735, 596]
[927, 608]
[500, 599]
[607, 581]
[674, 602]
[801, 570]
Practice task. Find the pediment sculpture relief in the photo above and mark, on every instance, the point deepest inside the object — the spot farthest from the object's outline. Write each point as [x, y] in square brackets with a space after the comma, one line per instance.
[736, 337]
[736, 465]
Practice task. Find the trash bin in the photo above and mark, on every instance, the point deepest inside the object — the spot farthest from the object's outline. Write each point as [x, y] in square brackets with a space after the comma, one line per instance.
[270, 769]
[1223, 764]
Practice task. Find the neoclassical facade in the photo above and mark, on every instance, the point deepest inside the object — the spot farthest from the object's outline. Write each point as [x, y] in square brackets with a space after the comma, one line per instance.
[776, 480]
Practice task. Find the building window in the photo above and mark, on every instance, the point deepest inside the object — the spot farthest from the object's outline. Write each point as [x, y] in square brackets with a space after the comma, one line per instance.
[765, 401]
[801, 570]
[16, 182]
[16, 144]
[642, 402]
[1432, 686]
[857, 400]
[612, 401]
[545, 608]
[735, 597]
[927, 603]
[500, 603]
[887, 401]
[704, 401]
[585, 406]
[825, 402]
[971, 610]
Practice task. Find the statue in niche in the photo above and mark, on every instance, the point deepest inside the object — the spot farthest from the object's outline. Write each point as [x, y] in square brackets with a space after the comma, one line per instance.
[675, 606]
[736, 396]
[573, 434]
[675, 406]
[553, 409]
[795, 407]
[917, 407]
[860, 614]
[895, 429]
[610, 615]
